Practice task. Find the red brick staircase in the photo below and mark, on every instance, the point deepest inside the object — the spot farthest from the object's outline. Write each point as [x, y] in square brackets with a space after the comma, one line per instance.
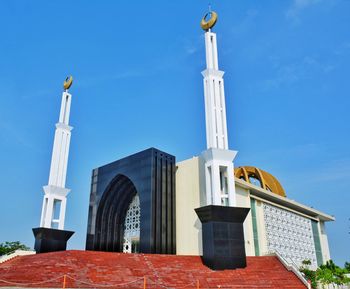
[88, 269]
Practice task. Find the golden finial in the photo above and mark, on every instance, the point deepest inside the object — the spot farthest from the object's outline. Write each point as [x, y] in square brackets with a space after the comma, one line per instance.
[68, 82]
[206, 25]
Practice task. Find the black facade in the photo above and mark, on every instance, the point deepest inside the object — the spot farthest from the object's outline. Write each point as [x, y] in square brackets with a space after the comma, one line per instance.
[151, 175]
[223, 236]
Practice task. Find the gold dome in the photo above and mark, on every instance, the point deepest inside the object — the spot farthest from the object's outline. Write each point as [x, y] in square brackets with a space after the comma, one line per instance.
[260, 178]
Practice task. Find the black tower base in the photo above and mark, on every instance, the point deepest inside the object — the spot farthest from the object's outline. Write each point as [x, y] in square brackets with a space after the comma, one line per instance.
[223, 236]
[50, 240]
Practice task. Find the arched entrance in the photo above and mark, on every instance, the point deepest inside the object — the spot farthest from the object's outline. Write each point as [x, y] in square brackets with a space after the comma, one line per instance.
[116, 206]
[150, 175]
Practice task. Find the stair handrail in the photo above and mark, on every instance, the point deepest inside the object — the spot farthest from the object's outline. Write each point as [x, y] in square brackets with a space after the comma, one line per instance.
[14, 254]
[290, 266]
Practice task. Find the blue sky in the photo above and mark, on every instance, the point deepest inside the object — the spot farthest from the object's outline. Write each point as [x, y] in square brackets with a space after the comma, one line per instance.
[137, 84]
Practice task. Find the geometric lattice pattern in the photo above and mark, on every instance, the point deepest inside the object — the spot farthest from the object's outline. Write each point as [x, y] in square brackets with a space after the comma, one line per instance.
[132, 225]
[290, 235]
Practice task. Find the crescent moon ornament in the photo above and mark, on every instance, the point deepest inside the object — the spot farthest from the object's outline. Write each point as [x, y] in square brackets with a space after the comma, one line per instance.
[68, 82]
[206, 25]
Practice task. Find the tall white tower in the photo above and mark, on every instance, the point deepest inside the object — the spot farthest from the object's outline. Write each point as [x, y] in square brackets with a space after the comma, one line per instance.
[219, 170]
[55, 198]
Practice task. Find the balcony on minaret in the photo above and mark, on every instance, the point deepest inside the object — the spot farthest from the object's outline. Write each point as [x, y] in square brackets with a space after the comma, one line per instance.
[219, 177]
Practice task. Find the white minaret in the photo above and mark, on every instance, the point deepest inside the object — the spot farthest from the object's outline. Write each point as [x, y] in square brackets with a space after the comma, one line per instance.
[219, 170]
[55, 198]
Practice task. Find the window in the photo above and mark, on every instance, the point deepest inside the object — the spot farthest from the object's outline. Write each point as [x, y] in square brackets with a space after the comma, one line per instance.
[224, 186]
[132, 227]
[224, 201]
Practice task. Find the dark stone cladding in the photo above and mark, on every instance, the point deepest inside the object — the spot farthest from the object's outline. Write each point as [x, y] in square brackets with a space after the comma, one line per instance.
[50, 240]
[151, 174]
[223, 236]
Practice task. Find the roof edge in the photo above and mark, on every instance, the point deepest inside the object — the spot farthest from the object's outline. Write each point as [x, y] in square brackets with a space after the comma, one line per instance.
[294, 205]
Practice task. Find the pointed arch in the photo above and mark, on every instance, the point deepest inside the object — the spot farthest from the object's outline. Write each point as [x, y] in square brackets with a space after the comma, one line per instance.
[111, 214]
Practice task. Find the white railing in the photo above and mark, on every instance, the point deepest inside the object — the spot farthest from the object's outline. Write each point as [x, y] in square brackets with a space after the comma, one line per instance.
[290, 266]
[333, 286]
[15, 254]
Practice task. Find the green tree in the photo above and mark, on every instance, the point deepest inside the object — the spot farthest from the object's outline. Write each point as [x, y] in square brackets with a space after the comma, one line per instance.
[308, 273]
[347, 266]
[330, 273]
[10, 247]
[326, 274]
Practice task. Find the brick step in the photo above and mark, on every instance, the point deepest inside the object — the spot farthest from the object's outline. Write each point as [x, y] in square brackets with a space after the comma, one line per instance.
[89, 269]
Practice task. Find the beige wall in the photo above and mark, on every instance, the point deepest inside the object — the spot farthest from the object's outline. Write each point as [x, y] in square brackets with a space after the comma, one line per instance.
[243, 200]
[188, 226]
[263, 248]
[324, 242]
[190, 195]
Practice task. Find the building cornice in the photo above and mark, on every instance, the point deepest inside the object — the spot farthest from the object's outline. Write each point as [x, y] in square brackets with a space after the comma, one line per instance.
[283, 201]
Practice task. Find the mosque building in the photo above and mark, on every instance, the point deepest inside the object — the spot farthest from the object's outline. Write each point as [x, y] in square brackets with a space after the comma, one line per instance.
[147, 202]
[189, 219]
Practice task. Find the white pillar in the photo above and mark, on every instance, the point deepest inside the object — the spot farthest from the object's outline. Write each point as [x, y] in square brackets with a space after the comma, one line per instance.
[55, 198]
[62, 214]
[215, 185]
[219, 170]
